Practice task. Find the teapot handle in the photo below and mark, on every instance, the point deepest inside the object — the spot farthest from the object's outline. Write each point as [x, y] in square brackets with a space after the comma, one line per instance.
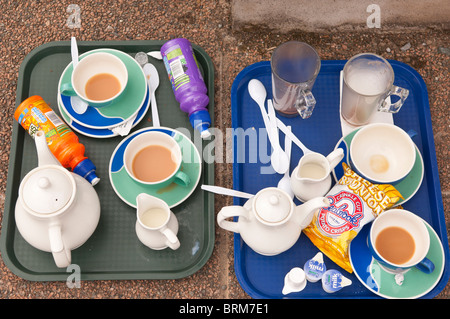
[230, 211]
[61, 255]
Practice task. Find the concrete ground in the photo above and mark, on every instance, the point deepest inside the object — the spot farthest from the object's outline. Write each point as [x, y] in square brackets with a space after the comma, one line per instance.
[330, 15]
[232, 44]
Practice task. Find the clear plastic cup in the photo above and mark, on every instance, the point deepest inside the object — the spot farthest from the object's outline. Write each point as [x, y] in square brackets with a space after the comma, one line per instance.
[368, 83]
[295, 66]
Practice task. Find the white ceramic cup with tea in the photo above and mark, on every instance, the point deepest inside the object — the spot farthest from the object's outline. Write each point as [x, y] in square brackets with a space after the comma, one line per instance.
[382, 153]
[399, 240]
[99, 79]
[154, 159]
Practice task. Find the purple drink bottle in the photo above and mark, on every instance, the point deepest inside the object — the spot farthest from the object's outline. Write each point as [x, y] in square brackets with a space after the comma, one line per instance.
[187, 83]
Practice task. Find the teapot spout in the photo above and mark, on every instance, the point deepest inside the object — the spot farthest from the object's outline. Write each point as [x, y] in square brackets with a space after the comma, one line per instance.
[45, 156]
[303, 214]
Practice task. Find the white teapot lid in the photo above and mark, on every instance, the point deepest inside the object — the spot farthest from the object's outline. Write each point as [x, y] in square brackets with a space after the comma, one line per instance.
[273, 205]
[47, 189]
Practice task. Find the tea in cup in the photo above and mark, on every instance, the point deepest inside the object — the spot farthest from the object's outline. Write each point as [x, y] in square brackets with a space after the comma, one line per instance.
[382, 153]
[368, 82]
[399, 240]
[156, 225]
[154, 158]
[98, 79]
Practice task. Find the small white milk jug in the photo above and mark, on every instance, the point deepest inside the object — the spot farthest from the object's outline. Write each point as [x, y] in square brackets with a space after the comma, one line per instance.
[311, 178]
[156, 225]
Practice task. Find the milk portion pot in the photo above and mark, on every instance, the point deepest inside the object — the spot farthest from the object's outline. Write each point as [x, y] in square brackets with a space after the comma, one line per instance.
[57, 210]
[270, 223]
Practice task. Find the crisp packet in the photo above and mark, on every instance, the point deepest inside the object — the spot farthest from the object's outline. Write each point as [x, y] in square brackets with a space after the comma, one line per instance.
[354, 202]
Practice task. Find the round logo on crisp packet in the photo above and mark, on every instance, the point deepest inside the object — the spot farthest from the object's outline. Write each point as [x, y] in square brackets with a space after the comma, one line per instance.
[344, 213]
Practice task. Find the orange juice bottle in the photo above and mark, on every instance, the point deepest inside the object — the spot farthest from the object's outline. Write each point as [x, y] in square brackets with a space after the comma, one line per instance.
[35, 115]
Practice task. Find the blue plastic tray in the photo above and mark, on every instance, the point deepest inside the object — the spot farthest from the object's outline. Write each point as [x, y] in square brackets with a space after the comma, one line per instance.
[263, 277]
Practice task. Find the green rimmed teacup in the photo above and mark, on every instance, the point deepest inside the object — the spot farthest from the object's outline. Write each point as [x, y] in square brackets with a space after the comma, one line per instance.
[154, 159]
[90, 67]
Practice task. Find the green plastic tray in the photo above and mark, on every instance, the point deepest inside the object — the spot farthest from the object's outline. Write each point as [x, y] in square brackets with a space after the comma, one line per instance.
[113, 251]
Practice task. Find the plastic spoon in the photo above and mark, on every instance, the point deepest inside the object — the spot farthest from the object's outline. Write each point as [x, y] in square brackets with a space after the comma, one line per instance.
[285, 182]
[276, 138]
[225, 191]
[278, 158]
[125, 128]
[155, 54]
[78, 105]
[153, 80]
[293, 138]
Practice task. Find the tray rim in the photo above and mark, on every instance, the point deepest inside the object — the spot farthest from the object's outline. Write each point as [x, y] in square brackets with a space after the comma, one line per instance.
[435, 201]
[11, 184]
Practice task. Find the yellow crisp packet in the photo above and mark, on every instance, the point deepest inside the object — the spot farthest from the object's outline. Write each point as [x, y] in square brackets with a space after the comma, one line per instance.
[354, 202]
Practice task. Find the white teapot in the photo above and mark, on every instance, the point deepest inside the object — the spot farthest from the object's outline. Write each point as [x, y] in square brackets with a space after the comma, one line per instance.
[270, 223]
[57, 210]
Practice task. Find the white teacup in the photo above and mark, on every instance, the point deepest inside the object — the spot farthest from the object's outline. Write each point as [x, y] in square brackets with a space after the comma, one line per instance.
[382, 153]
[156, 225]
[418, 232]
[88, 69]
[166, 175]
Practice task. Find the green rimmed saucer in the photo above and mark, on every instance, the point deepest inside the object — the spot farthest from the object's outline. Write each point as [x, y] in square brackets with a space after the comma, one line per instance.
[416, 283]
[408, 186]
[127, 189]
[122, 109]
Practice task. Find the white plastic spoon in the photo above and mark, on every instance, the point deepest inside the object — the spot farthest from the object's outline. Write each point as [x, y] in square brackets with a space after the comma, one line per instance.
[285, 182]
[153, 80]
[225, 191]
[274, 132]
[278, 158]
[155, 54]
[78, 105]
[292, 136]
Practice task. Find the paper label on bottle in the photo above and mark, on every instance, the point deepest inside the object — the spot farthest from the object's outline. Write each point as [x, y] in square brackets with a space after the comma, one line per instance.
[39, 117]
[176, 66]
